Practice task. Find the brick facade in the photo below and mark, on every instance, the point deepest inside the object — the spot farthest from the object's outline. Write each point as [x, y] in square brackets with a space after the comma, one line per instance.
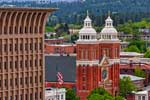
[90, 76]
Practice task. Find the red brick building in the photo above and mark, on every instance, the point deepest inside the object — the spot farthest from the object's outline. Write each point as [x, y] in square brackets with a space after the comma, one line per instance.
[54, 41]
[97, 63]
[60, 48]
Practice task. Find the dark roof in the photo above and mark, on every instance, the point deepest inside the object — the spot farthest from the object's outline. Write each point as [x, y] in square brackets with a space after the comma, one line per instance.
[64, 64]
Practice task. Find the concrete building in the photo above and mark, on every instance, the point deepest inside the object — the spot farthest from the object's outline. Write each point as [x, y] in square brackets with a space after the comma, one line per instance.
[22, 71]
[55, 94]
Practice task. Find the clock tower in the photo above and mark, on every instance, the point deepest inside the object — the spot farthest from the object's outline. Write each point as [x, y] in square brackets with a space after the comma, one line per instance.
[98, 59]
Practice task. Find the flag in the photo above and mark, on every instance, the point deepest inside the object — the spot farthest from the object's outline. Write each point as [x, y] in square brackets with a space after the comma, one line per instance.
[60, 78]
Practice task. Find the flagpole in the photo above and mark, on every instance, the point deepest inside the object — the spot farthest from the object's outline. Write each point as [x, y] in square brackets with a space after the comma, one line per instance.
[56, 80]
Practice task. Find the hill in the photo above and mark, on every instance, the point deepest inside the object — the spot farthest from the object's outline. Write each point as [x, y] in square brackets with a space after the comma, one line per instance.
[122, 10]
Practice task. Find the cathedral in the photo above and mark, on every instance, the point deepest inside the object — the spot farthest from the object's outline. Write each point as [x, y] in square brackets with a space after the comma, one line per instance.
[98, 59]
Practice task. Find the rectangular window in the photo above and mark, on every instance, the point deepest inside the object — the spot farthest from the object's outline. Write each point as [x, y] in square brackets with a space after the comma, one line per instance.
[31, 46]
[16, 81]
[21, 81]
[16, 47]
[0, 83]
[5, 83]
[31, 80]
[11, 82]
[26, 80]
[21, 64]
[26, 47]
[5, 47]
[21, 47]
[1, 46]
[10, 47]
[35, 79]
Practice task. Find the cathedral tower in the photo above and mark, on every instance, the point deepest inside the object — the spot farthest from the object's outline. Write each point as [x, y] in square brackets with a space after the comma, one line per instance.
[97, 59]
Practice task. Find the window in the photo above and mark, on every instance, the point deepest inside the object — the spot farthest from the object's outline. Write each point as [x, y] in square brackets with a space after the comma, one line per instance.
[35, 79]
[35, 46]
[21, 64]
[11, 64]
[26, 47]
[0, 46]
[16, 47]
[16, 64]
[40, 62]
[21, 81]
[31, 46]
[0, 83]
[11, 82]
[36, 63]
[30, 96]
[40, 78]
[26, 80]
[16, 81]
[21, 47]
[5, 83]
[36, 96]
[26, 97]
[62, 97]
[31, 63]
[40, 95]
[143, 97]
[5, 47]
[31, 80]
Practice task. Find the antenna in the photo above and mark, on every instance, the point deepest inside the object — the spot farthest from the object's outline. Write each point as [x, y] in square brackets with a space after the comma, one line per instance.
[87, 13]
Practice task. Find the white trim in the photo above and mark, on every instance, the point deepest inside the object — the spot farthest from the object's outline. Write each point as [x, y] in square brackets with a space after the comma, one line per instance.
[87, 42]
[94, 62]
[114, 61]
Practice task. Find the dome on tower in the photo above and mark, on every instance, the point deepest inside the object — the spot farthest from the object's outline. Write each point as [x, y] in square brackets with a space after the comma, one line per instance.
[87, 32]
[109, 27]
[108, 32]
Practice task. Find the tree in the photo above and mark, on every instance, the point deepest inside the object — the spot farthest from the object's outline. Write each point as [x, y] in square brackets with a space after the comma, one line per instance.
[95, 97]
[70, 95]
[126, 86]
[140, 44]
[132, 48]
[102, 94]
[119, 98]
[139, 72]
[74, 37]
[147, 53]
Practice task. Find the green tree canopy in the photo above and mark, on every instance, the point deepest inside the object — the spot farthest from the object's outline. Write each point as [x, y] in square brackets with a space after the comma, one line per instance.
[102, 94]
[132, 48]
[139, 72]
[71, 95]
[147, 53]
[126, 86]
[96, 96]
[140, 44]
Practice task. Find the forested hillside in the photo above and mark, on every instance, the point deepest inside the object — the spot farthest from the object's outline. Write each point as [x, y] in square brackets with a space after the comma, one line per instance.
[121, 11]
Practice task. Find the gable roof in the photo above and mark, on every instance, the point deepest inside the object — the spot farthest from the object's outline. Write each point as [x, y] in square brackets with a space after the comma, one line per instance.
[104, 61]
